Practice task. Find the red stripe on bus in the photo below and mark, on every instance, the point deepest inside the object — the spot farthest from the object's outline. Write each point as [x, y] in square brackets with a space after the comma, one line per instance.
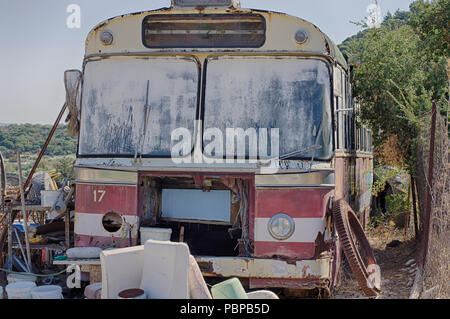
[264, 249]
[297, 203]
[102, 242]
[101, 199]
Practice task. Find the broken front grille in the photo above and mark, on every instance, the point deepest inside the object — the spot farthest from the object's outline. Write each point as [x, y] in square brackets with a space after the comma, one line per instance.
[204, 31]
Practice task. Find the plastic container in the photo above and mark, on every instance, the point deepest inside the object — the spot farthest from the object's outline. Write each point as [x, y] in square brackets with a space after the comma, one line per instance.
[229, 289]
[133, 294]
[48, 199]
[84, 253]
[19, 226]
[20, 290]
[13, 278]
[161, 234]
[47, 292]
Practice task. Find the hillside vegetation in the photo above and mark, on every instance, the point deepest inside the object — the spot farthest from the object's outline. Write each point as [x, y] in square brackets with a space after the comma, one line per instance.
[29, 138]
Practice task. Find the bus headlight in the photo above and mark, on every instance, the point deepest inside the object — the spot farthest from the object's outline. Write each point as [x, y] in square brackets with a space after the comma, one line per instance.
[281, 226]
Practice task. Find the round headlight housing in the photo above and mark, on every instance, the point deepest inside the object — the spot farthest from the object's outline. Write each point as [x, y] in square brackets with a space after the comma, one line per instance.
[106, 37]
[301, 37]
[281, 226]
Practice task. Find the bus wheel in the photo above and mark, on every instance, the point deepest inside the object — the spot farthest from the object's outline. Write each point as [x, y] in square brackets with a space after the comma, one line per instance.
[357, 249]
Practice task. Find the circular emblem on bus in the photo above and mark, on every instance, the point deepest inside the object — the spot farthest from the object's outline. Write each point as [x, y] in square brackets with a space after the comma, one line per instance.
[106, 37]
[301, 37]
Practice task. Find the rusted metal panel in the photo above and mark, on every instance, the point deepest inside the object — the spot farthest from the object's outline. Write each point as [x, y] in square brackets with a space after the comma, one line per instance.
[93, 202]
[264, 268]
[258, 283]
[296, 202]
[101, 199]
[127, 32]
[103, 241]
[204, 31]
[323, 178]
[206, 3]
[307, 207]
[98, 176]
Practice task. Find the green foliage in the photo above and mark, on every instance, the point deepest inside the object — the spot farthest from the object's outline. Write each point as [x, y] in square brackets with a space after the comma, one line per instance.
[397, 204]
[431, 22]
[384, 175]
[29, 139]
[398, 73]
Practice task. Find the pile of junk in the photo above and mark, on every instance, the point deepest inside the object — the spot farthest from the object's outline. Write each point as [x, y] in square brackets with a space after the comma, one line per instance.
[37, 261]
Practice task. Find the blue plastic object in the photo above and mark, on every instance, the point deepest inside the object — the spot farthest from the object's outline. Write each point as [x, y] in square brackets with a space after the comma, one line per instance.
[19, 226]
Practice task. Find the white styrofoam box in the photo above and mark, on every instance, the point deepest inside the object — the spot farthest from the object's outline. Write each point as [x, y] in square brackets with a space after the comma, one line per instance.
[162, 234]
[197, 285]
[93, 291]
[121, 269]
[193, 204]
[12, 278]
[48, 198]
[83, 252]
[166, 270]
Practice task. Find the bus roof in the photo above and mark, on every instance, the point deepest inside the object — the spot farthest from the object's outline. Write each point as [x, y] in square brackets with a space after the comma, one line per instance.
[127, 32]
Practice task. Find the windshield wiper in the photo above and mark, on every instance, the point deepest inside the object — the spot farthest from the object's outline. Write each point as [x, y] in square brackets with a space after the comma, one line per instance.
[287, 156]
[144, 133]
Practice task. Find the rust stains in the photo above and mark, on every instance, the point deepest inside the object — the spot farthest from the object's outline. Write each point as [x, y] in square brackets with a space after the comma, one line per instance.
[321, 246]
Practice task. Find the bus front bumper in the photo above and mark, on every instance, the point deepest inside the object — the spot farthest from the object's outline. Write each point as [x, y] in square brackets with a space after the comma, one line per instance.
[265, 273]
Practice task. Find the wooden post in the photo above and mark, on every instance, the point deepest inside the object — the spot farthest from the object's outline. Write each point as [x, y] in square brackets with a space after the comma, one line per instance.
[10, 225]
[24, 212]
[67, 228]
[430, 185]
[409, 210]
[414, 189]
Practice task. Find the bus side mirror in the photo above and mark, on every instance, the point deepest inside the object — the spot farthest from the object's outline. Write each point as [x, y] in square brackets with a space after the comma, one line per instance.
[72, 82]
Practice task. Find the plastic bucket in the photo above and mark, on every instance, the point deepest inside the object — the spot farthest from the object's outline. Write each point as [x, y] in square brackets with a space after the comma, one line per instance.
[161, 234]
[20, 290]
[229, 289]
[133, 294]
[47, 292]
[13, 278]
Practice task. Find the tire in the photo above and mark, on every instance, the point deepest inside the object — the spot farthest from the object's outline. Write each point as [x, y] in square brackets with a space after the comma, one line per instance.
[40, 181]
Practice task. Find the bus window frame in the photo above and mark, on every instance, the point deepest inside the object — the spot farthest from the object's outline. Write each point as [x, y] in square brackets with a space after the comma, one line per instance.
[298, 56]
[194, 58]
[145, 44]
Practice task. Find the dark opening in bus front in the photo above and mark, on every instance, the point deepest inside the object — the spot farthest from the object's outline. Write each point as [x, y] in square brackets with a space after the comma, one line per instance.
[204, 31]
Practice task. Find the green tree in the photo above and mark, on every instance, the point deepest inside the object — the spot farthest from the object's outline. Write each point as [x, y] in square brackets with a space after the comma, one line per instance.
[397, 75]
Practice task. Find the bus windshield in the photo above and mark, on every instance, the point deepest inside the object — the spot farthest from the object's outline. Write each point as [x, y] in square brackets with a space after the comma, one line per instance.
[289, 94]
[131, 106]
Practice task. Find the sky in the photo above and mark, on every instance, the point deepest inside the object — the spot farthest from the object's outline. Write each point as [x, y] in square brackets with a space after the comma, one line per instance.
[37, 46]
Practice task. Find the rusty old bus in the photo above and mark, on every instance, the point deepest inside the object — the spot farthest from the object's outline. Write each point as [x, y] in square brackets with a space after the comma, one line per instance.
[202, 65]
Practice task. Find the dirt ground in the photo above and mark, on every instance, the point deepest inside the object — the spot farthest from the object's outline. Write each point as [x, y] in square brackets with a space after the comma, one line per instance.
[398, 265]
